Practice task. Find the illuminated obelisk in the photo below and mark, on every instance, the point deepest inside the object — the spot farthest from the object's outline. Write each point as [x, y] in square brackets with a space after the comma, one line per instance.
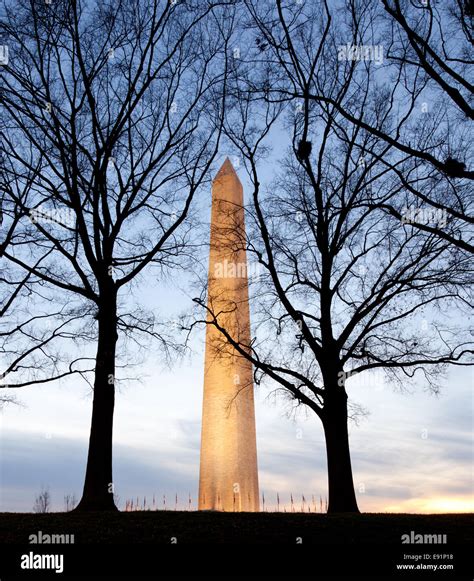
[228, 479]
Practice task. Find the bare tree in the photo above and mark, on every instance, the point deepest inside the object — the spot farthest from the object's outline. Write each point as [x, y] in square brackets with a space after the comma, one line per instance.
[427, 56]
[437, 39]
[117, 107]
[42, 501]
[16, 290]
[70, 502]
[346, 288]
[433, 44]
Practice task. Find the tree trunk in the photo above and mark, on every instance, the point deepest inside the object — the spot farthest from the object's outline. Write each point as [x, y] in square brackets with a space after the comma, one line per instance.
[98, 491]
[342, 497]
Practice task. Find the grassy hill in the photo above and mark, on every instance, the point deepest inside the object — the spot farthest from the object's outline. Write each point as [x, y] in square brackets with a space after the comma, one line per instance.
[160, 527]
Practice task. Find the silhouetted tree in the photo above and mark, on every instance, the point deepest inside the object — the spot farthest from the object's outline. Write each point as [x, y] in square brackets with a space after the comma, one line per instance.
[27, 335]
[111, 104]
[70, 502]
[432, 45]
[425, 84]
[42, 501]
[346, 287]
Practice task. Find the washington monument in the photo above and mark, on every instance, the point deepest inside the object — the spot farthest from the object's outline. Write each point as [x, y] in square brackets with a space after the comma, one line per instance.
[228, 477]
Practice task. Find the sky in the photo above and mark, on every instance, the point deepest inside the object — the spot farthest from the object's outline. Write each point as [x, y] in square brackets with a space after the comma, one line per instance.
[411, 452]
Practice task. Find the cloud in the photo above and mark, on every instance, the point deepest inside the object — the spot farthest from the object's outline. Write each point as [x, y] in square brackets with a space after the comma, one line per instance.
[412, 454]
[30, 461]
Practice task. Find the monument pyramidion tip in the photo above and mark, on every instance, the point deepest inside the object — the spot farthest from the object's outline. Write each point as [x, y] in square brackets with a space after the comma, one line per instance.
[227, 169]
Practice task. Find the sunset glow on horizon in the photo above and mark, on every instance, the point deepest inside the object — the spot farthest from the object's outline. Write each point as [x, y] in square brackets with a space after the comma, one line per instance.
[438, 505]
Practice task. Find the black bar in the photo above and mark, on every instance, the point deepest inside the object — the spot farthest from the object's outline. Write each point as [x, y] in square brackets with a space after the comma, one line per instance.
[289, 560]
